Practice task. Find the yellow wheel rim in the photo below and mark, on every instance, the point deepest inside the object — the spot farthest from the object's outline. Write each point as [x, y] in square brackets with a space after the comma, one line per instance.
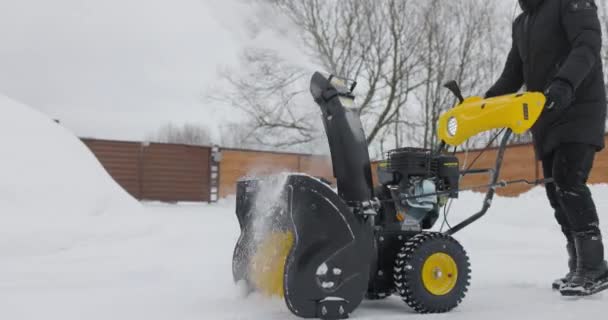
[267, 265]
[439, 274]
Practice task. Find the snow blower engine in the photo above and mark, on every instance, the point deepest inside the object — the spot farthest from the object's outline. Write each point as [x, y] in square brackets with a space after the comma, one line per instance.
[324, 249]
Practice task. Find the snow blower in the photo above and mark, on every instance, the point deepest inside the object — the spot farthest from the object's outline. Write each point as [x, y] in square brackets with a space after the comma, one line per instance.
[324, 250]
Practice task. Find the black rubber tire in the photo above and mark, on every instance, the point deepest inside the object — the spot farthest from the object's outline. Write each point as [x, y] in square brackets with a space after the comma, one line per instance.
[408, 272]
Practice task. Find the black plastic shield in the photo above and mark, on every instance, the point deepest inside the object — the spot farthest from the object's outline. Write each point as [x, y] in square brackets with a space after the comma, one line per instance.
[327, 270]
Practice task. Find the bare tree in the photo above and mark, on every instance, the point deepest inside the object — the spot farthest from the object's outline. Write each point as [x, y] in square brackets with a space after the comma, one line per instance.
[459, 44]
[242, 135]
[269, 91]
[400, 51]
[373, 42]
[190, 134]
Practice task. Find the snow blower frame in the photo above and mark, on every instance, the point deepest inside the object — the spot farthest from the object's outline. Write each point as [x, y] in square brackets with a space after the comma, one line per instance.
[324, 251]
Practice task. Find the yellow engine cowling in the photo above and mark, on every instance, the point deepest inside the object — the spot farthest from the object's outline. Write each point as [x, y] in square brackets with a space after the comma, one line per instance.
[474, 115]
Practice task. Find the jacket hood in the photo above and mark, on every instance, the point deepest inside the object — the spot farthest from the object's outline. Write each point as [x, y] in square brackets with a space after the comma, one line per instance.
[529, 5]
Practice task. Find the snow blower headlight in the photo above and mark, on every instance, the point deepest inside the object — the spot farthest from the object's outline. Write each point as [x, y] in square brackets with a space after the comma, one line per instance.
[452, 126]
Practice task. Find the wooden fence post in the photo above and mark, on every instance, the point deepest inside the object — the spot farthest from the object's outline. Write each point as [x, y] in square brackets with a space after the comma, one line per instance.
[215, 159]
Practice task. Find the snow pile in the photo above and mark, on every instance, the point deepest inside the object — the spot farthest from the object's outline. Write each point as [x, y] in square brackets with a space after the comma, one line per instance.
[50, 183]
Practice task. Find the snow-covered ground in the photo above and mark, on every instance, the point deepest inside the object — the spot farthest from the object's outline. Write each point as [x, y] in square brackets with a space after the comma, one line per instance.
[73, 245]
[173, 262]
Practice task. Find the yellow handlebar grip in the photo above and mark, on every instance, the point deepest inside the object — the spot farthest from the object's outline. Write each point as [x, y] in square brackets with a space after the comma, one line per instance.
[475, 115]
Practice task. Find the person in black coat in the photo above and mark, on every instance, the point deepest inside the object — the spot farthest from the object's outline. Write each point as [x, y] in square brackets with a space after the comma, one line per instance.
[556, 47]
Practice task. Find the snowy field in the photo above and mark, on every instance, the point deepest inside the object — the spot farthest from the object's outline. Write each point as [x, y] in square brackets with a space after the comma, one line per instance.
[73, 246]
[173, 262]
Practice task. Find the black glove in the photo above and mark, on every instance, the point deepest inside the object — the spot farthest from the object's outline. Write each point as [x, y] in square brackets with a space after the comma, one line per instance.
[560, 95]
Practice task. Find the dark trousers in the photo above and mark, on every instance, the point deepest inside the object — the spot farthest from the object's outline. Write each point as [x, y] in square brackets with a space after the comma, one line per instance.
[569, 165]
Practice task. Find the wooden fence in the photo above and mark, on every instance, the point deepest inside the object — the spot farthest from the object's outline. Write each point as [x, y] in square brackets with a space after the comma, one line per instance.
[236, 164]
[169, 172]
[163, 172]
[519, 163]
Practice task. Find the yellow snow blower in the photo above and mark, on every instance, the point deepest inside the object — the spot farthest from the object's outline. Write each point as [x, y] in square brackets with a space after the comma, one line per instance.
[324, 250]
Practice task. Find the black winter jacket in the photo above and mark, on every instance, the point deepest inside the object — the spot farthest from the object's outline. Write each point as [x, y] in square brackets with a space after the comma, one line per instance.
[559, 39]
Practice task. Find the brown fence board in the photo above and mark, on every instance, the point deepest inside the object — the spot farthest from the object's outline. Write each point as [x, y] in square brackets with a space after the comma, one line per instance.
[519, 163]
[236, 164]
[318, 166]
[121, 160]
[175, 173]
[164, 172]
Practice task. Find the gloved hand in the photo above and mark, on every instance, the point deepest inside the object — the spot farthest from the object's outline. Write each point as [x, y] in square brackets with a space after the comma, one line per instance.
[560, 95]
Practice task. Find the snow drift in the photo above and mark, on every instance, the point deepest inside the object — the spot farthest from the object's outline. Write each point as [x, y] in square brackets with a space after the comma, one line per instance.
[49, 180]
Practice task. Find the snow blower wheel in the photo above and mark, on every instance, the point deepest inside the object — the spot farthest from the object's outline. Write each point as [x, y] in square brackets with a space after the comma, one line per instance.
[432, 273]
[325, 248]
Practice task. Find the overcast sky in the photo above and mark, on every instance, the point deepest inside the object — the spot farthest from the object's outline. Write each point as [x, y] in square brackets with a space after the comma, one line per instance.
[119, 68]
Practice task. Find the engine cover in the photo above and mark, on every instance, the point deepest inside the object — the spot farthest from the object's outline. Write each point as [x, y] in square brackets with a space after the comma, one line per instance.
[420, 182]
[408, 164]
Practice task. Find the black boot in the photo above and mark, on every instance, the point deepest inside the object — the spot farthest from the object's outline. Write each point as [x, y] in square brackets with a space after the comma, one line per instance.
[557, 284]
[591, 274]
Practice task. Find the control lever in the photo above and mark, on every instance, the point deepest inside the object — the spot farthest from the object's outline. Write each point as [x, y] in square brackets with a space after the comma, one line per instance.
[455, 89]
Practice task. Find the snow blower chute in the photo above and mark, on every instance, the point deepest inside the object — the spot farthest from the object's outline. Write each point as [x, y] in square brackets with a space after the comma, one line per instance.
[324, 251]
